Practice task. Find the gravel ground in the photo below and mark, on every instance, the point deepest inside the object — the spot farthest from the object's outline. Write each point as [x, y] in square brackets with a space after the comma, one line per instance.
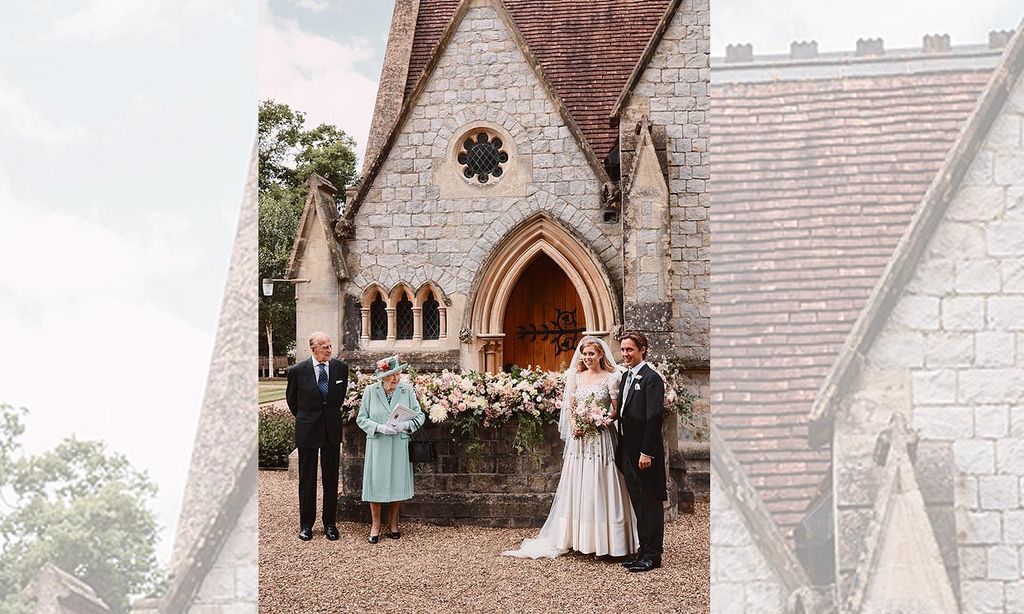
[458, 569]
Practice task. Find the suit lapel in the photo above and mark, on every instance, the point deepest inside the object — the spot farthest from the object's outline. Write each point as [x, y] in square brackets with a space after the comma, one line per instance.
[309, 369]
[332, 374]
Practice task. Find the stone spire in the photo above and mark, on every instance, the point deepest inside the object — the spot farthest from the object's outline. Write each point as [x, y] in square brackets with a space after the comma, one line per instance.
[393, 75]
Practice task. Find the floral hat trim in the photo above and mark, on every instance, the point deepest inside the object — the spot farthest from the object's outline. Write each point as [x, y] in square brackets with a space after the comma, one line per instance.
[388, 366]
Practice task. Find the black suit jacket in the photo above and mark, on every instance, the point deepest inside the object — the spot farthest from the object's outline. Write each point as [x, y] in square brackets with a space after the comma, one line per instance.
[316, 418]
[640, 421]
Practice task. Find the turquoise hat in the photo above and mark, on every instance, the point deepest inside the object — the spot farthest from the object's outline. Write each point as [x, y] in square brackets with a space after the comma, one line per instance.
[388, 366]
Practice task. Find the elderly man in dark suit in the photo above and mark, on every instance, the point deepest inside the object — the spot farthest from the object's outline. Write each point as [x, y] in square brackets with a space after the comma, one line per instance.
[641, 452]
[315, 393]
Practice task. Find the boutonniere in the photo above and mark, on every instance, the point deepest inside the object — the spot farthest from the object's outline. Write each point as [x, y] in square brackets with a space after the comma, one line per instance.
[638, 377]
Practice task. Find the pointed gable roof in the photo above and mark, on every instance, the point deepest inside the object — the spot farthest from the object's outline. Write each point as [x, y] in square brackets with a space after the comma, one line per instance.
[352, 207]
[588, 49]
[914, 241]
[222, 469]
[319, 206]
[900, 568]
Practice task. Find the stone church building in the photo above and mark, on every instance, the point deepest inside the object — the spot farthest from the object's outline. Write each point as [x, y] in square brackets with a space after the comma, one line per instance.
[535, 172]
[867, 451]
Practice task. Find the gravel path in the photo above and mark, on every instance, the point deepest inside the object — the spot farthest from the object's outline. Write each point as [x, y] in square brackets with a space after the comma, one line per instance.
[457, 569]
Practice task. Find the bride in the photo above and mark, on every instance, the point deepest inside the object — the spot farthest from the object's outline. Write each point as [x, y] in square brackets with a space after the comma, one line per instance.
[591, 512]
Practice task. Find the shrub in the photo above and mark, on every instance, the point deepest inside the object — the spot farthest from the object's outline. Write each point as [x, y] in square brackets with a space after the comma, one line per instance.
[277, 436]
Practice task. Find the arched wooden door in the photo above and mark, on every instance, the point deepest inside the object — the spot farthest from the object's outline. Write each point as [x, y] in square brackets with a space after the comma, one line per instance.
[544, 317]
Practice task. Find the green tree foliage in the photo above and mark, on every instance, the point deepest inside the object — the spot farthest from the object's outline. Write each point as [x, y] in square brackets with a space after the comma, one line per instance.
[80, 507]
[288, 155]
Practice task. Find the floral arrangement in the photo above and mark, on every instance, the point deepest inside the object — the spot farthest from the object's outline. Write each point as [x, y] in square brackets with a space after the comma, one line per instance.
[589, 417]
[472, 400]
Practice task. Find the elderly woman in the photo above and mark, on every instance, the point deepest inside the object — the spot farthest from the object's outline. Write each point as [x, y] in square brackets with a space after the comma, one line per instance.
[387, 472]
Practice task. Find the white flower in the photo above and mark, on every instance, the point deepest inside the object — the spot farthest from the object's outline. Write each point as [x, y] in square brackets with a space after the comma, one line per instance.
[438, 414]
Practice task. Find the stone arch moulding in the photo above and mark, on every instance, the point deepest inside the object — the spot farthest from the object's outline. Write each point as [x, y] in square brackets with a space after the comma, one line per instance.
[496, 280]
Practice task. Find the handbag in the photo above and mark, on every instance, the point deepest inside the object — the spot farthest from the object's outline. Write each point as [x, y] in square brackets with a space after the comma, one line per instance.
[421, 450]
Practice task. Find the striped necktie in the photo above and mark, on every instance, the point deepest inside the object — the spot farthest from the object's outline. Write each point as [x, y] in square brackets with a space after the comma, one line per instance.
[321, 381]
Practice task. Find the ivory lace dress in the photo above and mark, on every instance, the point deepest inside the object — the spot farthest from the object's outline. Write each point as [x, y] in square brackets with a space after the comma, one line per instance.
[591, 512]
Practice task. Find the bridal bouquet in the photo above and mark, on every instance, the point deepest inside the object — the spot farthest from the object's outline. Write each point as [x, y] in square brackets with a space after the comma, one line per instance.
[590, 417]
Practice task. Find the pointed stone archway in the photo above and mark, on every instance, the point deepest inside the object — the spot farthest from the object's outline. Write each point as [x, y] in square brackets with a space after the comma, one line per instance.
[496, 282]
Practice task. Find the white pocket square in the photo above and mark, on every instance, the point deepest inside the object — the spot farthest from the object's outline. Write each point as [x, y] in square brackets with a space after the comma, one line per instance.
[636, 386]
[339, 381]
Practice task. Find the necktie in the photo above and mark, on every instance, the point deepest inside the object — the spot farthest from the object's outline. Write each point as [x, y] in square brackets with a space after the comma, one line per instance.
[321, 381]
[629, 383]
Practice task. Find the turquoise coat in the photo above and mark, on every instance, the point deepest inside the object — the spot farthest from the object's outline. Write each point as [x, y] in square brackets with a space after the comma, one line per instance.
[387, 472]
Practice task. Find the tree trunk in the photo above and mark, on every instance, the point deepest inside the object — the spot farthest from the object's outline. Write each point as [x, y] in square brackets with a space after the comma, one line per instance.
[270, 349]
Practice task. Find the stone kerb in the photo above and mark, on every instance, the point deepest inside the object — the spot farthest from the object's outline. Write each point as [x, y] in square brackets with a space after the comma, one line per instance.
[497, 488]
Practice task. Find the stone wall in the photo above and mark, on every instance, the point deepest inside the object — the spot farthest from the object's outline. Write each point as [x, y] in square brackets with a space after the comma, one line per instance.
[673, 93]
[741, 578]
[498, 488]
[951, 358]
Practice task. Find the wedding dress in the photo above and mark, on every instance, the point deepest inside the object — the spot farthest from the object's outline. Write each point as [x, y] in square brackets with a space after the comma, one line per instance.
[591, 512]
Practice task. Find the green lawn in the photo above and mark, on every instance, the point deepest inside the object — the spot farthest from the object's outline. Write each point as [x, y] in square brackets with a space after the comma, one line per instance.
[271, 390]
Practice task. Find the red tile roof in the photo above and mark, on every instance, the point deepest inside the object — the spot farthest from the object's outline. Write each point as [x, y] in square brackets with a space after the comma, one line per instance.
[586, 48]
[813, 183]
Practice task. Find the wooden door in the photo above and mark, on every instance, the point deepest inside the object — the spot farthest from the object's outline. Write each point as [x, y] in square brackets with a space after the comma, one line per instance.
[543, 318]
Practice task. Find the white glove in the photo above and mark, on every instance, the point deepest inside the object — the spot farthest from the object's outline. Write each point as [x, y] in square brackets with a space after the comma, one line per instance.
[384, 429]
[404, 426]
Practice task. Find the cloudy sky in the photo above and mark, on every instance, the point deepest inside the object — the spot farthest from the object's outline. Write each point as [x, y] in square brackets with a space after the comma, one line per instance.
[125, 130]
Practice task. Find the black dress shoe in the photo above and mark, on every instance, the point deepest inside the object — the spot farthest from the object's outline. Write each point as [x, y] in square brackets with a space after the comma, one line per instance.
[633, 560]
[394, 534]
[331, 532]
[373, 539]
[645, 565]
[305, 534]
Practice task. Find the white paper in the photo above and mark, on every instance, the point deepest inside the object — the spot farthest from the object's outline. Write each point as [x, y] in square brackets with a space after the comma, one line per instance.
[400, 413]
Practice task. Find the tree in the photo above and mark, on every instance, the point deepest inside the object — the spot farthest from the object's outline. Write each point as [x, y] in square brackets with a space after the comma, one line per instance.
[288, 155]
[80, 507]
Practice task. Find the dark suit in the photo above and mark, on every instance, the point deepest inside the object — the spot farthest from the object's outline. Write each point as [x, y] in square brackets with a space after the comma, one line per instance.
[317, 433]
[640, 429]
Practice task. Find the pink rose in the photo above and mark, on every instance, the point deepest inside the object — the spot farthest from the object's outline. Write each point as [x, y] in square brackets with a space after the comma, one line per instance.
[382, 365]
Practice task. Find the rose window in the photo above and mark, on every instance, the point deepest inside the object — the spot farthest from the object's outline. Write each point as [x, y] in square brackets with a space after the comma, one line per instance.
[482, 156]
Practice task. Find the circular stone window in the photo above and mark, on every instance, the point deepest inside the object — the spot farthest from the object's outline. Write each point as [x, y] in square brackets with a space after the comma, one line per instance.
[481, 156]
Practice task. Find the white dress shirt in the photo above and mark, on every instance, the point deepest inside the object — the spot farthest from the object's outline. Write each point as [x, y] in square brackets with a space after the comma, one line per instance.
[635, 370]
[316, 370]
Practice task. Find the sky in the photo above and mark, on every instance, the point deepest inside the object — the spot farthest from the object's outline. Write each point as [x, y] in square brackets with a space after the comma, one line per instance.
[125, 132]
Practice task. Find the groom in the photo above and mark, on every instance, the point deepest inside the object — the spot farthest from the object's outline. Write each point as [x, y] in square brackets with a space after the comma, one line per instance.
[641, 452]
[316, 390]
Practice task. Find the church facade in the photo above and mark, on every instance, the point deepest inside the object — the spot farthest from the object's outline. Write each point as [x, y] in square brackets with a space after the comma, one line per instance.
[533, 174]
